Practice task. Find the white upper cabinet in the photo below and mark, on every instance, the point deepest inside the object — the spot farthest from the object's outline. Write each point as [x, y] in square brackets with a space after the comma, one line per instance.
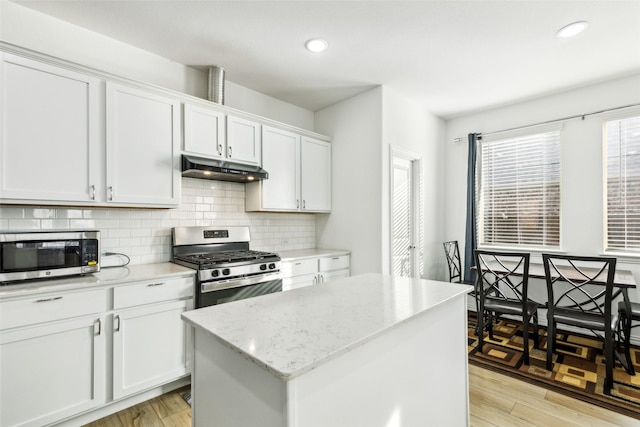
[204, 131]
[143, 131]
[315, 175]
[208, 134]
[299, 174]
[280, 153]
[49, 144]
[244, 142]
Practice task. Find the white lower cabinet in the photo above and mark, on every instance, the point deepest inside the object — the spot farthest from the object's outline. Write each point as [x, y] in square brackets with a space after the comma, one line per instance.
[150, 340]
[60, 352]
[149, 347]
[51, 370]
[314, 270]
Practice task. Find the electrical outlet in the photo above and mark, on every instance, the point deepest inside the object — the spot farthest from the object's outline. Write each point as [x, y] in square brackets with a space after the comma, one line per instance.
[284, 242]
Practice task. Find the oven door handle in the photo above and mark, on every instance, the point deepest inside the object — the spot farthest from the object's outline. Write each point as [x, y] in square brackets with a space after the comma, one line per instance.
[217, 285]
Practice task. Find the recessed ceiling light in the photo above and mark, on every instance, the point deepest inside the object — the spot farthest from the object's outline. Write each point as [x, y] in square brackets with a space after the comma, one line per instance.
[572, 29]
[316, 45]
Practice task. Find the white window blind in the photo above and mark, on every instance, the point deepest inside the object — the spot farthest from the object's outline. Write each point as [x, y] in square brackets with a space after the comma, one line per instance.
[622, 144]
[518, 189]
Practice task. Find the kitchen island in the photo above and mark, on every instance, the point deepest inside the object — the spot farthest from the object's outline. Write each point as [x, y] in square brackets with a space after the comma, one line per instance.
[367, 350]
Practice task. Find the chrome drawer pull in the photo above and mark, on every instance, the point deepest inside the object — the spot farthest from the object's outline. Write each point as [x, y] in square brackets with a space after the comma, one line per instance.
[117, 329]
[99, 327]
[156, 284]
[48, 299]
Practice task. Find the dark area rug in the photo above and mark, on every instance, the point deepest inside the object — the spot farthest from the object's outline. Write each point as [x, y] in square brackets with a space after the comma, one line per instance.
[578, 369]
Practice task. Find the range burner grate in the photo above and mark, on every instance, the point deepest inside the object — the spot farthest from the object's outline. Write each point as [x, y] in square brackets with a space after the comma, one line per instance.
[225, 257]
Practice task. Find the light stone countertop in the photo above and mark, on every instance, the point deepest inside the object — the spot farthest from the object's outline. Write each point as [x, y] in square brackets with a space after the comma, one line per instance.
[289, 333]
[295, 254]
[105, 277]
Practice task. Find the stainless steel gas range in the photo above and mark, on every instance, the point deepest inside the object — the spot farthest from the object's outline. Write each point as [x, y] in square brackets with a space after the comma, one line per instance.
[227, 269]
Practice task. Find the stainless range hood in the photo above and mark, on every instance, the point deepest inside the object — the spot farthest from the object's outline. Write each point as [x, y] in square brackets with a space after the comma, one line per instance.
[220, 170]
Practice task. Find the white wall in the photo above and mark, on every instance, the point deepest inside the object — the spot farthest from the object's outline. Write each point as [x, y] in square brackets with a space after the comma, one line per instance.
[33, 30]
[355, 219]
[363, 128]
[410, 127]
[581, 157]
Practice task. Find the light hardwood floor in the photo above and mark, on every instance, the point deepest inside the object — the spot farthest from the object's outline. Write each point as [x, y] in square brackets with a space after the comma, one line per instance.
[495, 400]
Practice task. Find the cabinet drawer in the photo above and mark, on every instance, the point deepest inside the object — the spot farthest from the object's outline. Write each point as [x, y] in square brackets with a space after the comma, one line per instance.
[50, 307]
[300, 267]
[334, 263]
[153, 291]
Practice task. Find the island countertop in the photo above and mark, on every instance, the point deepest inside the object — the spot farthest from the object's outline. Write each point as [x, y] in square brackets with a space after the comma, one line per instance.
[290, 333]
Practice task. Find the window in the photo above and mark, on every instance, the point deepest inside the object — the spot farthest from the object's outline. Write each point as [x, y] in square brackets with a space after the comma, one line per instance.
[622, 145]
[518, 190]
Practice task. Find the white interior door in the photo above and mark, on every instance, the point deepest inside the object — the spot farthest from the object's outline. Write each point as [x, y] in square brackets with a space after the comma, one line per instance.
[405, 209]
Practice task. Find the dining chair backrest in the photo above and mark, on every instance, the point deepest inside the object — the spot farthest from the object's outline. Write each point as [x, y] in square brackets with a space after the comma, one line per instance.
[583, 284]
[452, 253]
[502, 275]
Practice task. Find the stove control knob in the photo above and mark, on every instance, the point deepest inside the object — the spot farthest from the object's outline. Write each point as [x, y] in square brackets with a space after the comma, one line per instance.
[263, 266]
[215, 273]
[225, 272]
[272, 266]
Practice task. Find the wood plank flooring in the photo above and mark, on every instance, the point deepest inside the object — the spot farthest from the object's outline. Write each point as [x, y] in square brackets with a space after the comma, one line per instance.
[495, 400]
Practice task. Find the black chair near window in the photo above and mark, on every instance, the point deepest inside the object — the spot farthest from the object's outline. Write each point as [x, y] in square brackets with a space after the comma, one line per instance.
[628, 312]
[452, 252]
[580, 294]
[502, 288]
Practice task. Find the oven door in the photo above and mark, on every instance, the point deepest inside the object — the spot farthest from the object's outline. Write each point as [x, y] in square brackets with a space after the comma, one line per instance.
[219, 292]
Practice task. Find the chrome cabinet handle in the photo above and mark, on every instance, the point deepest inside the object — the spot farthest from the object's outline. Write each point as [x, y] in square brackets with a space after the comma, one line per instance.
[110, 192]
[220, 149]
[336, 257]
[304, 204]
[48, 299]
[99, 332]
[297, 203]
[156, 284]
[93, 192]
[298, 263]
[117, 328]
[230, 152]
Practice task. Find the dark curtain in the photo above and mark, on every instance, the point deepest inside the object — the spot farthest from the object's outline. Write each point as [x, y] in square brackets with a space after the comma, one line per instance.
[470, 243]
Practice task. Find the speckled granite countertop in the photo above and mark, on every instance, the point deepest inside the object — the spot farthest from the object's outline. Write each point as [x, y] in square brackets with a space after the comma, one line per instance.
[105, 277]
[289, 333]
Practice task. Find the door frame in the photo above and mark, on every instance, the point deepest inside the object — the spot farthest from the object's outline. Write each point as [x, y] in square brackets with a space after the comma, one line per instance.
[416, 205]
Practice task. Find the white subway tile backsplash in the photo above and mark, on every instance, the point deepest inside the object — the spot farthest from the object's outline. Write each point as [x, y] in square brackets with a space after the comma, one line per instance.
[144, 235]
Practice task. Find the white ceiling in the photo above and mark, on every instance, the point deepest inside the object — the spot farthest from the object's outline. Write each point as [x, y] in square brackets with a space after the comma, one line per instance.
[452, 57]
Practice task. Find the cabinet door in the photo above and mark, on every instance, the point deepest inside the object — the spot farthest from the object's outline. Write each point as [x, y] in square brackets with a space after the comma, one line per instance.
[204, 131]
[332, 275]
[315, 172]
[49, 144]
[51, 371]
[280, 157]
[143, 131]
[149, 347]
[243, 141]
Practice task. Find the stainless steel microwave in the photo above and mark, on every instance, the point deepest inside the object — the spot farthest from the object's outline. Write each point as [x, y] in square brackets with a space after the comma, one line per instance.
[48, 254]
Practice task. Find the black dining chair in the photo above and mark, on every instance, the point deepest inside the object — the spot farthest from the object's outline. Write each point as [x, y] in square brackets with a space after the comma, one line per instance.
[452, 253]
[628, 312]
[502, 288]
[580, 294]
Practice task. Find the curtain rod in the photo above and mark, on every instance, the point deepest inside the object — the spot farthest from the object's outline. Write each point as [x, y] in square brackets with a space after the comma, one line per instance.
[581, 116]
